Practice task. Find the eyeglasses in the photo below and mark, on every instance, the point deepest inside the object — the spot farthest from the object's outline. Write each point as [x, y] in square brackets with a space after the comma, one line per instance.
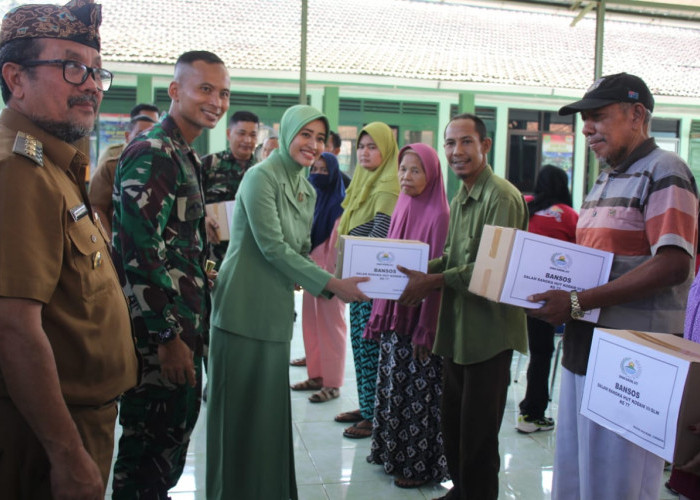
[76, 73]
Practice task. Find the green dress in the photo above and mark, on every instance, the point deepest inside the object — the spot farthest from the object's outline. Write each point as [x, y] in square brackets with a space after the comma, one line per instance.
[249, 439]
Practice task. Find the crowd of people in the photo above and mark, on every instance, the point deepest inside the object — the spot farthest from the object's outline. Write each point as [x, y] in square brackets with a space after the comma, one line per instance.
[114, 300]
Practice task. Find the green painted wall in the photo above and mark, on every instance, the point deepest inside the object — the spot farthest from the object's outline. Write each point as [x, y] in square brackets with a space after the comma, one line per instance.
[269, 98]
[331, 106]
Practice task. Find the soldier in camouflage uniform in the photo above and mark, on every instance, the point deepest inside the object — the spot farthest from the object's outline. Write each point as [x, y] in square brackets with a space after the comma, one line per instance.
[159, 244]
[223, 171]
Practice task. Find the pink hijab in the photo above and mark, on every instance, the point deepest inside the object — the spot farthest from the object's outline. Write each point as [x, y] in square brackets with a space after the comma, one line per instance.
[424, 218]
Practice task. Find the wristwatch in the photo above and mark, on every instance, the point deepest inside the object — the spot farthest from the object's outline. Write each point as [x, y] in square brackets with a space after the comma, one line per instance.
[576, 311]
[165, 336]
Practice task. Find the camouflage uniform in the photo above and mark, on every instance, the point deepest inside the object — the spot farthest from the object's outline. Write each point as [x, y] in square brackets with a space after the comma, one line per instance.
[159, 240]
[222, 174]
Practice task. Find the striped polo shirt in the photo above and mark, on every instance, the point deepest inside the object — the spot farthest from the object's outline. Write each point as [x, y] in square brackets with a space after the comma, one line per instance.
[648, 202]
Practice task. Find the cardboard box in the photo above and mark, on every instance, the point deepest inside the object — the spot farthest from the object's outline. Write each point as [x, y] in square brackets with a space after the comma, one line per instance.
[512, 264]
[222, 213]
[643, 386]
[378, 258]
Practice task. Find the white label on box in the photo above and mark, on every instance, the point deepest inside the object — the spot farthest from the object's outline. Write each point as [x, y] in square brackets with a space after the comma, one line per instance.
[634, 391]
[379, 263]
[537, 266]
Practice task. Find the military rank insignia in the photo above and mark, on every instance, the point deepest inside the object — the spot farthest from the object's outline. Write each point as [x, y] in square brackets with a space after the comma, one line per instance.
[29, 147]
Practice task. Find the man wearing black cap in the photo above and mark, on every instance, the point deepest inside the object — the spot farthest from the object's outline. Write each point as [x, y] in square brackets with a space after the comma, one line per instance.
[143, 116]
[644, 209]
[66, 350]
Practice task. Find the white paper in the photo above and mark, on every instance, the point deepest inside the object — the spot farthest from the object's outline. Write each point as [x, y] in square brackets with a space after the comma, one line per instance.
[378, 260]
[537, 266]
[635, 391]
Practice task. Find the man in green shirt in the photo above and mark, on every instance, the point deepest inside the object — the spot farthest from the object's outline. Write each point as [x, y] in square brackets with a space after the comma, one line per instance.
[475, 336]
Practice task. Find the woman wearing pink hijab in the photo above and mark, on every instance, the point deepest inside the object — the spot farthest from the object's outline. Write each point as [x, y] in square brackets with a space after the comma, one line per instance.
[406, 437]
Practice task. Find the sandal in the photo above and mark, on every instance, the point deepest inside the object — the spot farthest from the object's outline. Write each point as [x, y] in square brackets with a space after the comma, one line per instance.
[307, 385]
[349, 416]
[404, 482]
[359, 430]
[325, 394]
[298, 362]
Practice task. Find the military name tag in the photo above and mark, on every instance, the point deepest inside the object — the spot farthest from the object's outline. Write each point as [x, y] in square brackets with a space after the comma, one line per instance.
[78, 212]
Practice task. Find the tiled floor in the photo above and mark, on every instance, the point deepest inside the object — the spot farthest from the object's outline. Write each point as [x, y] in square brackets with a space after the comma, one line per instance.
[331, 467]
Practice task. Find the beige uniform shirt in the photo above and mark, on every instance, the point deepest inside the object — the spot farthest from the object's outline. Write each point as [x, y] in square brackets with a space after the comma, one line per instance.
[102, 181]
[52, 251]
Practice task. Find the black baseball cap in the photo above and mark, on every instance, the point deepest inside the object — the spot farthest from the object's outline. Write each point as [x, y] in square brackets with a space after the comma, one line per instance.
[611, 89]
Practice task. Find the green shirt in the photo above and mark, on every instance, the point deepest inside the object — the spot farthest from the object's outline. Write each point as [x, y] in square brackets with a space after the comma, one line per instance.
[268, 254]
[472, 329]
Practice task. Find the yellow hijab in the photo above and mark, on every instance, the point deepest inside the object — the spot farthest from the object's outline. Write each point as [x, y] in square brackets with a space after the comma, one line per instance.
[361, 203]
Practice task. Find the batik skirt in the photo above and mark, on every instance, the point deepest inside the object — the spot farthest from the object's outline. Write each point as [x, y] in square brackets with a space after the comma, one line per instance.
[406, 434]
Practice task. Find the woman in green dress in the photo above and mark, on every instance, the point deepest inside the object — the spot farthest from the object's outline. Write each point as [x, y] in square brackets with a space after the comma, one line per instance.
[249, 431]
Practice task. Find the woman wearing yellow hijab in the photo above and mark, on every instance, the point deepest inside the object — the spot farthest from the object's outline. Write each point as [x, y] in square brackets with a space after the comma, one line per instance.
[368, 206]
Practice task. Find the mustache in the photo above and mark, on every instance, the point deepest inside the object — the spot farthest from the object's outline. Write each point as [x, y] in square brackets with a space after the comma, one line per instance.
[72, 101]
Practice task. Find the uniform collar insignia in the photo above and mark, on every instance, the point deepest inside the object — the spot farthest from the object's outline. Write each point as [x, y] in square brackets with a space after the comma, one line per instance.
[30, 147]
